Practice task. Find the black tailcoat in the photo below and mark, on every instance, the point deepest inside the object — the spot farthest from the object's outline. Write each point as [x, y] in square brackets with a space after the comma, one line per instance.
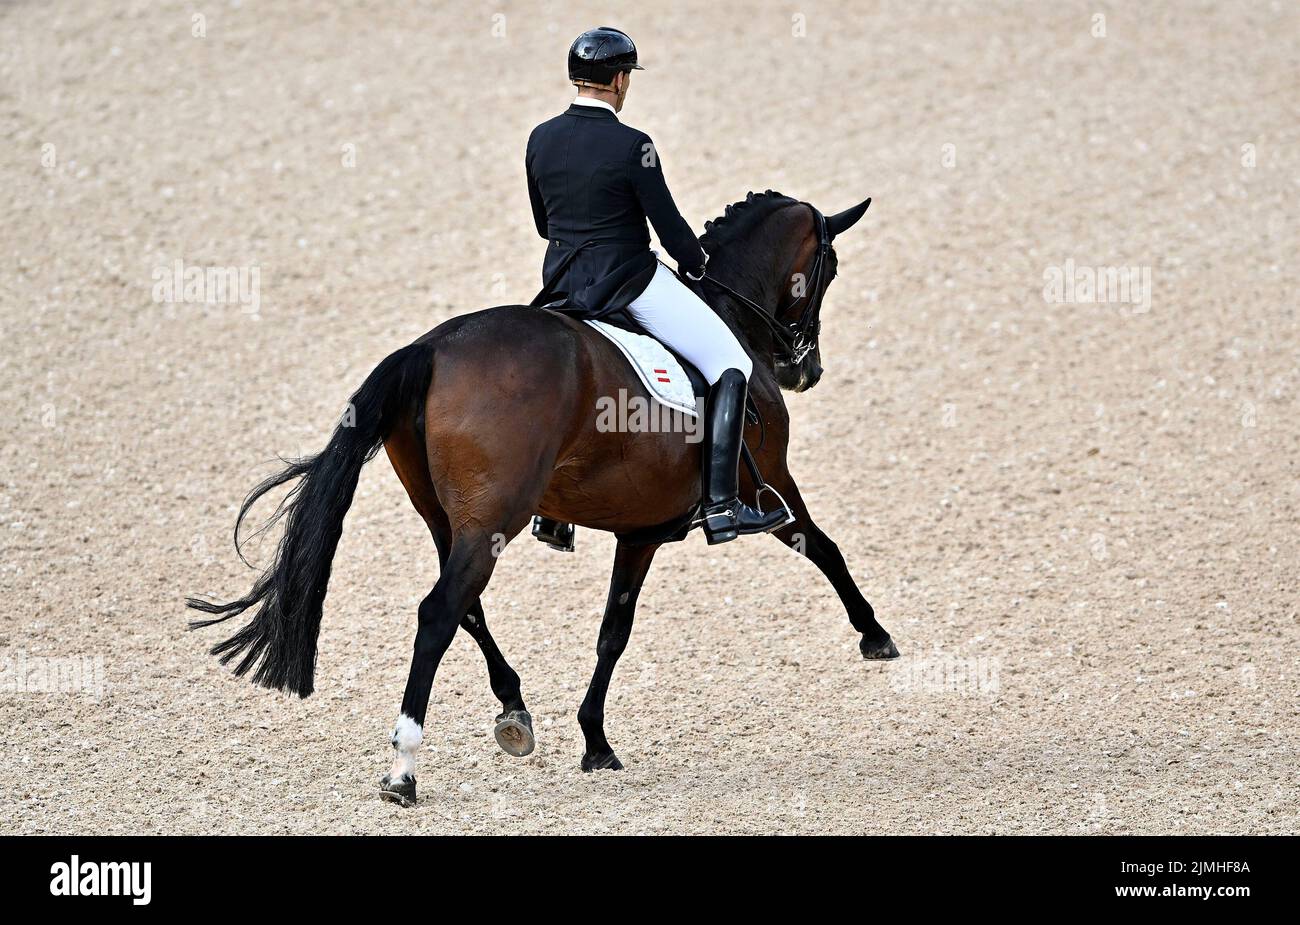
[593, 182]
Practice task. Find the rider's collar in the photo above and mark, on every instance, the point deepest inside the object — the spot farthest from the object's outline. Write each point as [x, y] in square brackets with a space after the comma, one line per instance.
[592, 101]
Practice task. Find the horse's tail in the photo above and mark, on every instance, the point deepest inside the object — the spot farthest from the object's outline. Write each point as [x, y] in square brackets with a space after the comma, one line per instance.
[280, 641]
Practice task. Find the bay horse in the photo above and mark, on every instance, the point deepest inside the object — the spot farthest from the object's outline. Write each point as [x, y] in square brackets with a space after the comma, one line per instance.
[490, 418]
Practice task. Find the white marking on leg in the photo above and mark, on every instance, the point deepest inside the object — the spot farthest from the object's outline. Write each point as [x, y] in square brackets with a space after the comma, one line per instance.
[406, 739]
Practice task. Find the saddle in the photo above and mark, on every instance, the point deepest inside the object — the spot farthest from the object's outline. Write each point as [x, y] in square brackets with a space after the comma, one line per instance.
[561, 536]
[625, 322]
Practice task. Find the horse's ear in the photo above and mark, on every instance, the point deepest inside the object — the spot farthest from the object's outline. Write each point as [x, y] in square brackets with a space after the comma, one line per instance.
[843, 221]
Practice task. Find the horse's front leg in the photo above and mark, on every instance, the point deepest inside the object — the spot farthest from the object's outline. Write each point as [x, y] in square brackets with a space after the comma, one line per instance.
[631, 563]
[804, 537]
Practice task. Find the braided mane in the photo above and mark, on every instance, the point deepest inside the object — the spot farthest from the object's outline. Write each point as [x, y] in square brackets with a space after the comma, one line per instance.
[740, 217]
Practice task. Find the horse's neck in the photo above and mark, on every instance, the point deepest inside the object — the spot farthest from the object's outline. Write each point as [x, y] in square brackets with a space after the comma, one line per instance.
[752, 331]
[755, 336]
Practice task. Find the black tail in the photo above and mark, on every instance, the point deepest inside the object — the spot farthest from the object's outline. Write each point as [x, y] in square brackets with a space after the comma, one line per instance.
[280, 642]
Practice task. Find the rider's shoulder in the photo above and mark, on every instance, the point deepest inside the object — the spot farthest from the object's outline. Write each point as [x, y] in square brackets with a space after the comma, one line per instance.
[551, 123]
[635, 137]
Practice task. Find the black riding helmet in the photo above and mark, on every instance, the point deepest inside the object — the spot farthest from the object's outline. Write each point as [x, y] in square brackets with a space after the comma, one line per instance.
[599, 54]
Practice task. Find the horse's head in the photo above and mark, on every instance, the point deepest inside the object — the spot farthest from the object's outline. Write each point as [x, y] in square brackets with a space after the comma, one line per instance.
[813, 268]
[776, 263]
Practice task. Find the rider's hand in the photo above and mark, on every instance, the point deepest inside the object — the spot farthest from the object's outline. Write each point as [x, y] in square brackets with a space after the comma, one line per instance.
[699, 272]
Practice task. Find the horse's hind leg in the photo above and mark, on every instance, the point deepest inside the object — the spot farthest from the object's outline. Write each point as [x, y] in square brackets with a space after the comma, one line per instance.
[631, 563]
[468, 568]
[514, 726]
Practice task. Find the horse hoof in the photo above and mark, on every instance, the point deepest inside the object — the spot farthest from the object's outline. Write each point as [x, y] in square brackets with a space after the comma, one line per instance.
[400, 791]
[607, 762]
[878, 650]
[514, 733]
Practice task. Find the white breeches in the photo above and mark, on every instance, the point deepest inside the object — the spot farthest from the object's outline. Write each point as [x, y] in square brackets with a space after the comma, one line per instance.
[677, 317]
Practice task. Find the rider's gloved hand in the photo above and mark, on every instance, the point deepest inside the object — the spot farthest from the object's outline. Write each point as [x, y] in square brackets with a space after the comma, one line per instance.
[698, 273]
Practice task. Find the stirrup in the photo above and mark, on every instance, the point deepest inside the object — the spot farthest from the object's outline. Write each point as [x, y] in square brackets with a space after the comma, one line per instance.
[554, 533]
[758, 505]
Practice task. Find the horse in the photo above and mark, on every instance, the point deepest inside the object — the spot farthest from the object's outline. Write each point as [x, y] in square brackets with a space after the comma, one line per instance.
[489, 419]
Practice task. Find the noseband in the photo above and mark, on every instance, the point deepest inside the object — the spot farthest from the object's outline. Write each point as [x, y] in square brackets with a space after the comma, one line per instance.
[796, 339]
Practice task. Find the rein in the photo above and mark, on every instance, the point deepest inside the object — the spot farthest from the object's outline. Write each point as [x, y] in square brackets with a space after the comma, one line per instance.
[797, 338]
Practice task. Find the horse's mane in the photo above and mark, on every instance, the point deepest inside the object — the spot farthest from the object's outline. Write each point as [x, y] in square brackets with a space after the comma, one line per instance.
[739, 218]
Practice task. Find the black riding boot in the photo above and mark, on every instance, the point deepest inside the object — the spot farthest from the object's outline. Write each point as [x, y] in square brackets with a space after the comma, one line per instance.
[725, 517]
[554, 533]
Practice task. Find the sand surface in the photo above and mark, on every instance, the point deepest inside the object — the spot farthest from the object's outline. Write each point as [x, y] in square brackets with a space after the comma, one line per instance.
[1078, 521]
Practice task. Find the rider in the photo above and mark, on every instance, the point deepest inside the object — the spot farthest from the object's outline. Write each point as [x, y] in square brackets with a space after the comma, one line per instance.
[593, 182]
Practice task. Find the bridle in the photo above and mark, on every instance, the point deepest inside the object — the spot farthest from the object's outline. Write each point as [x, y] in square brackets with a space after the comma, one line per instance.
[795, 339]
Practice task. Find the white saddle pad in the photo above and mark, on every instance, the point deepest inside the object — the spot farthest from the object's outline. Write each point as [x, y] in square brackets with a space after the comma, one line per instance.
[658, 369]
